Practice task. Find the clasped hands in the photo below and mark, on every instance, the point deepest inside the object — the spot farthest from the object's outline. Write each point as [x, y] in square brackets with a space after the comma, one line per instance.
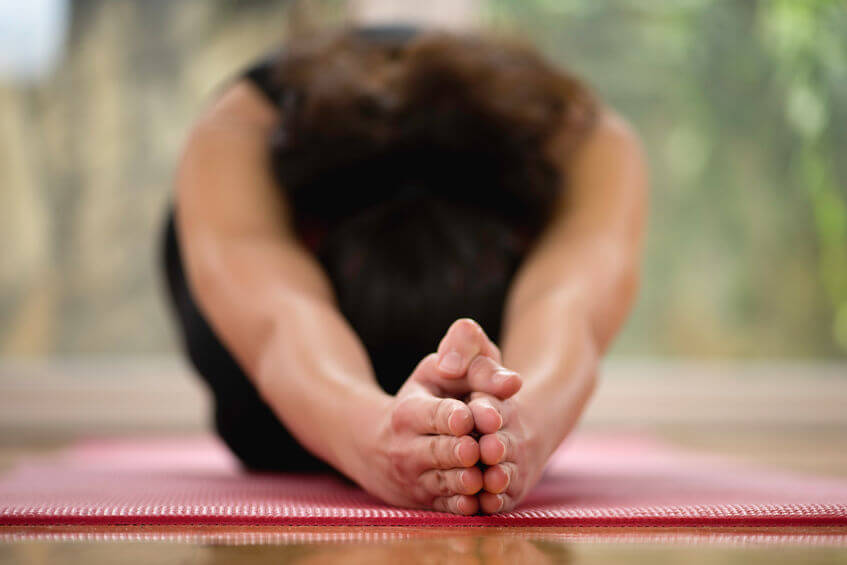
[454, 438]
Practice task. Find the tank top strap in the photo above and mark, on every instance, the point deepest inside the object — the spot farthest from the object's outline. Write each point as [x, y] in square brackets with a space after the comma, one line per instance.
[262, 72]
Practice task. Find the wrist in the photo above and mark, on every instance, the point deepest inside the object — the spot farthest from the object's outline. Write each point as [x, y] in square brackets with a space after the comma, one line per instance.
[362, 422]
[326, 407]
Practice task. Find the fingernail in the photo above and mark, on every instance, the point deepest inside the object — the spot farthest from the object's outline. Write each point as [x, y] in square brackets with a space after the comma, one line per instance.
[458, 451]
[502, 503]
[499, 376]
[451, 424]
[452, 362]
[496, 413]
[499, 418]
[453, 421]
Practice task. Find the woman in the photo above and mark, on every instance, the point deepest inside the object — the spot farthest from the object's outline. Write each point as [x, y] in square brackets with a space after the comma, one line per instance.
[362, 199]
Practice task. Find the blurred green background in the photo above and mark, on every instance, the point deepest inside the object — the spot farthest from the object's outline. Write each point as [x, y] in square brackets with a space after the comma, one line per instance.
[741, 104]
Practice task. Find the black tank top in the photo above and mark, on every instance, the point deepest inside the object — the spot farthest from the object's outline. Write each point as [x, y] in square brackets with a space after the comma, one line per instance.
[392, 361]
[261, 74]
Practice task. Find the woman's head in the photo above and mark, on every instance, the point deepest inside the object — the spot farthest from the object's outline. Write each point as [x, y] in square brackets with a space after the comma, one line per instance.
[424, 167]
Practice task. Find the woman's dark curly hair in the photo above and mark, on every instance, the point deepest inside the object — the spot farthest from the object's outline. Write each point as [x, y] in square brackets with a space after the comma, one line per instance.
[419, 173]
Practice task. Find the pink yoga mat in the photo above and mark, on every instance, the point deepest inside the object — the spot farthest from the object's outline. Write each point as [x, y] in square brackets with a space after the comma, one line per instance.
[591, 481]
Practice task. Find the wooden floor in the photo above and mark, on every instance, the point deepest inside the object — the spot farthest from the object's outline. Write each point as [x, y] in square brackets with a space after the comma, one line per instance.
[422, 545]
[792, 436]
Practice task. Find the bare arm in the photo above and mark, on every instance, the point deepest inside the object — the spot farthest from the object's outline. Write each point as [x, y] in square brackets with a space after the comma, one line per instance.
[589, 257]
[566, 304]
[263, 293]
[273, 306]
[582, 277]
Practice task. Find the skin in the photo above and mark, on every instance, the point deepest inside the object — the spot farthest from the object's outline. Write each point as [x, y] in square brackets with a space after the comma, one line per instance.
[271, 303]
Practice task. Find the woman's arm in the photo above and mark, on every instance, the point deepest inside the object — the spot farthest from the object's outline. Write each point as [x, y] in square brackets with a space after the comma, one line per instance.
[272, 305]
[591, 252]
[574, 292]
[566, 304]
[261, 291]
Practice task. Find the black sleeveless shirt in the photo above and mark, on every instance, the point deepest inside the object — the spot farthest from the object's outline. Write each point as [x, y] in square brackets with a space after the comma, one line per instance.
[394, 359]
[261, 74]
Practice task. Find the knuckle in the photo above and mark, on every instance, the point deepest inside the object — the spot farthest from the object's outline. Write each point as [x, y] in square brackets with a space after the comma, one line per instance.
[482, 366]
[433, 444]
[446, 456]
[442, 485]
[396, 421]
[422, 495]
[440, 413]
[398, 462]
[400, 414]
[396, 453]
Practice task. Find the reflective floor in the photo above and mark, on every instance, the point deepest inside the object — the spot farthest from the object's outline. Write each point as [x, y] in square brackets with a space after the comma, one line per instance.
[424, 545]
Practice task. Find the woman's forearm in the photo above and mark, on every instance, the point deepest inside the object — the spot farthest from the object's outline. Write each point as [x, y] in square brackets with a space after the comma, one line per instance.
[576, 289]
[556, 339]
[264, 294]
[551, 344]
[316, 376]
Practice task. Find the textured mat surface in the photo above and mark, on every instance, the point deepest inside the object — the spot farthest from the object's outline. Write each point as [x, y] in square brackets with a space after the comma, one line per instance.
[592, 480]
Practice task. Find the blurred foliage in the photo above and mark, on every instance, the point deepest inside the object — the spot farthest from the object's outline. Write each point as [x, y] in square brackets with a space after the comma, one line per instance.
[739, 103]
[804, 40]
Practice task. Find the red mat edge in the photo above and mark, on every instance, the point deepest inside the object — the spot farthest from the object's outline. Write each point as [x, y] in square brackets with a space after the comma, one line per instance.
[459, 521]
